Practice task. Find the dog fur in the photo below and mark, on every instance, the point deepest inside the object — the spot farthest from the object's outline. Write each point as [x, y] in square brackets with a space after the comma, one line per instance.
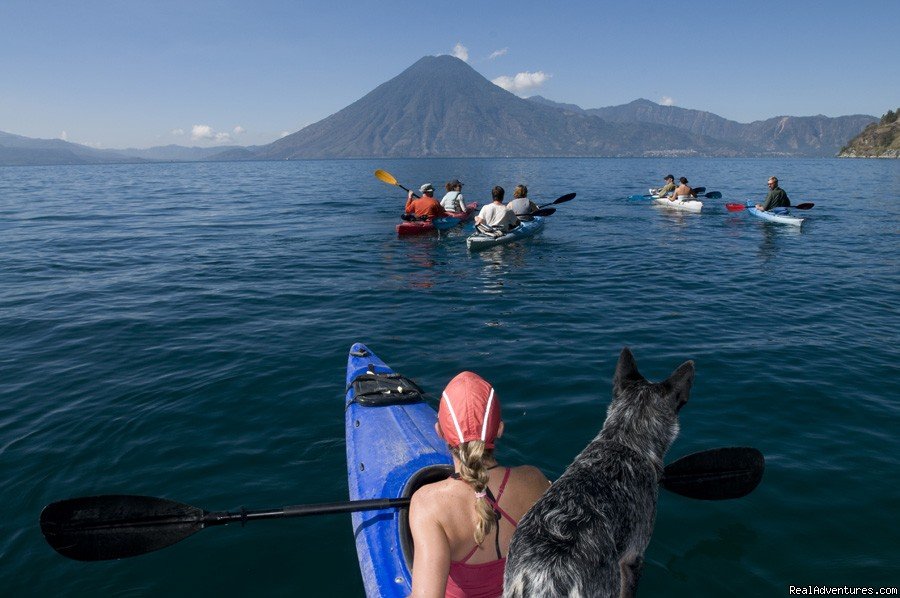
[587, 534]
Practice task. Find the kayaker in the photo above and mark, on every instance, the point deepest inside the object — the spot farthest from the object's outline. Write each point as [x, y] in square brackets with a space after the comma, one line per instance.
[460, 543]
[495, 215]
[453, 200]
[521, 206]
[776, 197]
[683, 191]
[667, 188]
[425, 207]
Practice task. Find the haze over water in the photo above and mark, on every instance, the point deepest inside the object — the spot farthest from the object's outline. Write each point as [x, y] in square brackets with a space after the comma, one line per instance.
[181, 330]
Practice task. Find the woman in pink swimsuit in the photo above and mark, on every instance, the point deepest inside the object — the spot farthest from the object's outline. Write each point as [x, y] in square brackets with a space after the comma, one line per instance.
[462, 526]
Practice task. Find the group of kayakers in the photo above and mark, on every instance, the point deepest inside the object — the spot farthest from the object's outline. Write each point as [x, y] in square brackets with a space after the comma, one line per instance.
[776, 197]
[494, 216]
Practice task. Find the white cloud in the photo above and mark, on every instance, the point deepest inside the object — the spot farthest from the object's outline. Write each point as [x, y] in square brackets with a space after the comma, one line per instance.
[521, 82]
[283, 134]
[207, 133]
[667, 101]
[461, 52]
[239, 130]
[199, 132]
[498, 53]
[178, 132]
[64, 136]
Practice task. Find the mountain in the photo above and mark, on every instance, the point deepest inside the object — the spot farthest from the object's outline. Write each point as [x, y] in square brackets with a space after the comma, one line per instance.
[878, 140]
[16, 150]
[178, 153]
[441, 107]
[808, 136]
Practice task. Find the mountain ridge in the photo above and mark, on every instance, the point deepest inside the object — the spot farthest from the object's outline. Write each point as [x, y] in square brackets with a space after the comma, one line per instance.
[441, 107]
[877, 140]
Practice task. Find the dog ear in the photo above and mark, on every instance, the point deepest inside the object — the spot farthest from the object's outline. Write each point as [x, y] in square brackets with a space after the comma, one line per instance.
[626, 371]
[679, 384]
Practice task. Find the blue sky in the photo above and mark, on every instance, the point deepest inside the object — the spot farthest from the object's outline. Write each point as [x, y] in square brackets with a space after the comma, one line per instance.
[117, 74]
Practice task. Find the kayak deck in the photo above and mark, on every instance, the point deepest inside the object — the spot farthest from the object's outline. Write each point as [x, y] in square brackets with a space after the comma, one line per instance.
[392, 449]
[524, 230]
[782, 215]
[419, 227]
[690, 205]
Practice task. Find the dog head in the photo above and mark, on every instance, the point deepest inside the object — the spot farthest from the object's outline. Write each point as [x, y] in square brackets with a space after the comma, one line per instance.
[644, 414]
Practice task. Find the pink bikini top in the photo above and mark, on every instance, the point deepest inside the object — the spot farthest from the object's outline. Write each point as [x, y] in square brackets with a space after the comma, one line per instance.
[481, 580]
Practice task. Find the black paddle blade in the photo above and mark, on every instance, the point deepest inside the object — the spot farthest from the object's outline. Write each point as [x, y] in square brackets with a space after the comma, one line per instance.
[544, 212]
[718, 474]
[564, 198]
[99, 528]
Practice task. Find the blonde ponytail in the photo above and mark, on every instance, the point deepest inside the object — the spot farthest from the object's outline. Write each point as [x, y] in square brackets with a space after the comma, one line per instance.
[471, 457]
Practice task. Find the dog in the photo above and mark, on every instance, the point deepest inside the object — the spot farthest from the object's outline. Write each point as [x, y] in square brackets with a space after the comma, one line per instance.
[586, 536]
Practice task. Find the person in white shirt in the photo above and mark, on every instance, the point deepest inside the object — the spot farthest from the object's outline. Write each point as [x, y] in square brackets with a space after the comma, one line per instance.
[495, 215]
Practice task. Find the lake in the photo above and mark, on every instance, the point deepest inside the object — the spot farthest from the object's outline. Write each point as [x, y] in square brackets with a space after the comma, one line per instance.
[181, 330]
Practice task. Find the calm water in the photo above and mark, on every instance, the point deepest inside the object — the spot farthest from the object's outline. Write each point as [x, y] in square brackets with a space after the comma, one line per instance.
[182, 330]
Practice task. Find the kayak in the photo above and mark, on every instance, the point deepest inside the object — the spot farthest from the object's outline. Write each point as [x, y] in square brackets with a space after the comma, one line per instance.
[782, 215]
[446, 222]
[525, 229]
[392, 449]
[690, 205]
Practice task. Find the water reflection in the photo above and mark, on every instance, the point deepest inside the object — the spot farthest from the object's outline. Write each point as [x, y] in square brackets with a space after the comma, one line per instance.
[769, 246]
[419, 252]
[677, 217]
[499, 263]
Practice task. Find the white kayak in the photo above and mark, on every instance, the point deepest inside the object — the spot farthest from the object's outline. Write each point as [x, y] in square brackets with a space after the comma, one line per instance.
[687, 205]
[525, 229]
[782, 215]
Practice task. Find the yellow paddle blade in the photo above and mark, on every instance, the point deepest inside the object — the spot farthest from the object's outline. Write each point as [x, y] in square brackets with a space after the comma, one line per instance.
[386, 177]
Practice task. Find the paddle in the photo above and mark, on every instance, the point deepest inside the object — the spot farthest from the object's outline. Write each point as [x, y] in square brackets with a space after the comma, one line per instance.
[737, 207]
[388, 178]
[99, 528]
[715, 474]
[563, 199]
[710, 195]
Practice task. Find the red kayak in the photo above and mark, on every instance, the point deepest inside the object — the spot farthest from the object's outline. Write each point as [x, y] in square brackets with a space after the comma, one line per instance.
[443, 223]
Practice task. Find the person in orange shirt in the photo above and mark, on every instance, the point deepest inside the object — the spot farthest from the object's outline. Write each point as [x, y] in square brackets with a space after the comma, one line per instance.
[425, 207]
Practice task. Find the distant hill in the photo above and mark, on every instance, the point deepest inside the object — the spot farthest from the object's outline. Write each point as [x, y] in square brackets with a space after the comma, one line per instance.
[16, 150]
[808, 136]
[178, 153]
[440, 106]
[878, 140]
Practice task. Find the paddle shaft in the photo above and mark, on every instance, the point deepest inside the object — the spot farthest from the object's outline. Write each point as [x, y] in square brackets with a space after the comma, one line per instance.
[710, 195]
[737, 207]
[333, 508]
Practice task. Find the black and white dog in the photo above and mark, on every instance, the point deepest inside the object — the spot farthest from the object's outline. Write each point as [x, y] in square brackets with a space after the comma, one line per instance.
[587, 534]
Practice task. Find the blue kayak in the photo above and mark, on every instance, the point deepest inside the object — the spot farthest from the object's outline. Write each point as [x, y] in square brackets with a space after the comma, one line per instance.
[782, 215]
[392, 449]
[527, 229]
